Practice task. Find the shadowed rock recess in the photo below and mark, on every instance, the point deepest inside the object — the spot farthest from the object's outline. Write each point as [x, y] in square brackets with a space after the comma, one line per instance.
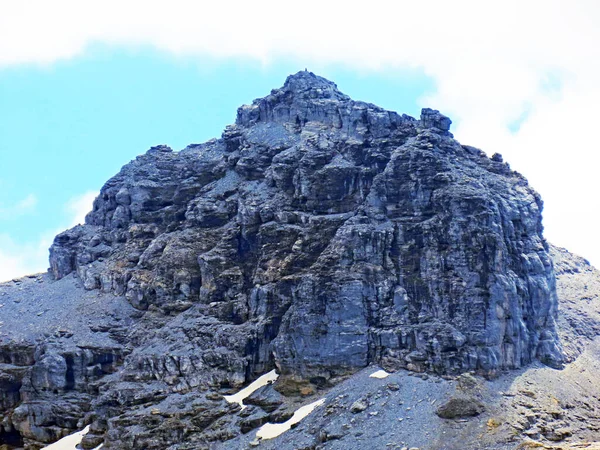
[317, 236]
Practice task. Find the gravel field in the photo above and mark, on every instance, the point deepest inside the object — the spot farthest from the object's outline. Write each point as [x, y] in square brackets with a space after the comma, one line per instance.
[38, 307]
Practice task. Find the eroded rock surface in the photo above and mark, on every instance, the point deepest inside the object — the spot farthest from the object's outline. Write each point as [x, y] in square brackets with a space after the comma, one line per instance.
[318, 235]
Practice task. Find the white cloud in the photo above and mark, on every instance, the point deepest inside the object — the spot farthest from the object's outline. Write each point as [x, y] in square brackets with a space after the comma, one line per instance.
[22, 258]
[79, 206]
[22, 207]
[27, 204]
[17, 259]
[493, 63]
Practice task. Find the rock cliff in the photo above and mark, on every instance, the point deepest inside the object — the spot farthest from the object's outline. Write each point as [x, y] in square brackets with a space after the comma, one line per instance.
[317, 236]
[536, 407]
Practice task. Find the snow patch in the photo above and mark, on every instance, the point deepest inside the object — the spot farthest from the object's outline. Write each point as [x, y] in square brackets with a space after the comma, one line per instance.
[379, 374]
[70, 442]
[272, 430]
[248, 390]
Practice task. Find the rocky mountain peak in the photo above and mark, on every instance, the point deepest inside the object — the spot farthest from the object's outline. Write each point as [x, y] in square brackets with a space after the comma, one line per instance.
[304, 82]
[306, 97]
[317, 236]
[431, 118]
[381, 231]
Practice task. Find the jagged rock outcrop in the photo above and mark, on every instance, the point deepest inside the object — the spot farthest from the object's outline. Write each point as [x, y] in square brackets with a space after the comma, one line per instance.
[317, 235]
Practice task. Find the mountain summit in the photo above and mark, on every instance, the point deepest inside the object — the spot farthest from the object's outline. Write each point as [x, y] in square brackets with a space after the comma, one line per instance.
[319, 235]
[344, 233]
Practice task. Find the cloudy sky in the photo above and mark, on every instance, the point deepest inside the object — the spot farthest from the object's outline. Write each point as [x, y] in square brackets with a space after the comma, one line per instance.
[84, 88]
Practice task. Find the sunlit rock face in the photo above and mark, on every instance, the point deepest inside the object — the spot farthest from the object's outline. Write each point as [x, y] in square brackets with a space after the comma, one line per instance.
[318, 235]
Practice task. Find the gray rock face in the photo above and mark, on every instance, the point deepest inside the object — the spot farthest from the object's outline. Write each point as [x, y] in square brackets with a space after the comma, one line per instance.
[266, 397]
[528, 408]
[317, 235]
[351, 233]
[578, 289]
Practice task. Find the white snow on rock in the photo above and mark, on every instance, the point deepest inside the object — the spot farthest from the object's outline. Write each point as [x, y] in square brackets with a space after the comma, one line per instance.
[379, 374]
[248, 390]
[70, 442]
[272, 430]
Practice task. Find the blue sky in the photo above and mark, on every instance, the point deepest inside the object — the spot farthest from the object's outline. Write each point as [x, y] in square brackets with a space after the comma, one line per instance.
[68, 127]
[85, 87]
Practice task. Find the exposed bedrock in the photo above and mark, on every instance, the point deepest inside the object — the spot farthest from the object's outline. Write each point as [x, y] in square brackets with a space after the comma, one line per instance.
[45, 391]
[332, 234]
[316, 236]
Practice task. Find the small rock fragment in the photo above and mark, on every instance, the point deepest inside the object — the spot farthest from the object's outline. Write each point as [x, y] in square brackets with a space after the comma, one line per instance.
[358, 406]
[461, 406]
